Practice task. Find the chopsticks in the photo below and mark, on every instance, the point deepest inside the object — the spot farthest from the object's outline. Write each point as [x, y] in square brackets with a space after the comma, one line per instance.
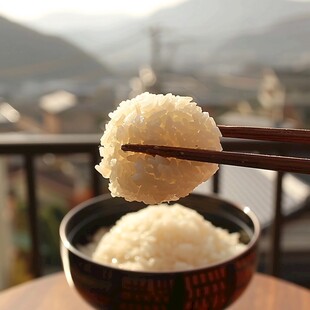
[269, 162]
[266, 133]
[261, 161]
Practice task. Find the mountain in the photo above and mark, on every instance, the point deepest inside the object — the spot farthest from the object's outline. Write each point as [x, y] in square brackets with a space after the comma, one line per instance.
[188, 33]
[60, 22]
[26, 54]
[114, 39]
[285, 44]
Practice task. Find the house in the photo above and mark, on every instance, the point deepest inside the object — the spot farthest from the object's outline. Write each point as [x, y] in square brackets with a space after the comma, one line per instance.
[52, 105]
[286, 94]
[9, 117]
[67, 112]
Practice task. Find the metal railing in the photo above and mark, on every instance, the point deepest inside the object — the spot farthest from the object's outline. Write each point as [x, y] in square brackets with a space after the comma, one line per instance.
[32, 146]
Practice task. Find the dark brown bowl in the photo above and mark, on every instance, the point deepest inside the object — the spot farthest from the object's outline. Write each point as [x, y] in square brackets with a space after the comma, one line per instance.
[104, 287]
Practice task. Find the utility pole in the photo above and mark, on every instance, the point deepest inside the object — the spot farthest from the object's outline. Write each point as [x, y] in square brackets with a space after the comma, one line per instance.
[155, 34]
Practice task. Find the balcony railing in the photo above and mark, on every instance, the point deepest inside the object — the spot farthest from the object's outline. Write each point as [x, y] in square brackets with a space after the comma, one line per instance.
[32, 146]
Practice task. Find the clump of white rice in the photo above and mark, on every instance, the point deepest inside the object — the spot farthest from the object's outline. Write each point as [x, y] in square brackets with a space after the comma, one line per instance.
[160, 120]
[165, 238]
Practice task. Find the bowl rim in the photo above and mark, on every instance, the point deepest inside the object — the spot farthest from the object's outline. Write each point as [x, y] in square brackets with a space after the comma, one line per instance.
[245, 209]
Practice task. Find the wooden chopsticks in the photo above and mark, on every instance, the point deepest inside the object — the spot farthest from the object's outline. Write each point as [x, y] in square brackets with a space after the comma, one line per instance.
[266, 133]
[269, 162]
[261, 161]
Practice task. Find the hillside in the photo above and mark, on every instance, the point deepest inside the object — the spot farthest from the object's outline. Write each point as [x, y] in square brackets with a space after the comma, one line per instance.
[286, 44]
[28, 54]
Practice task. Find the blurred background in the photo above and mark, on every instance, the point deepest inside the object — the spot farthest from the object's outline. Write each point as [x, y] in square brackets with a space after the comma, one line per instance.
[64, 65]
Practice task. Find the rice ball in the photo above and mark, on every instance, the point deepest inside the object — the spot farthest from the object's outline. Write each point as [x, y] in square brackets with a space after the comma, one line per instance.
[165, 120]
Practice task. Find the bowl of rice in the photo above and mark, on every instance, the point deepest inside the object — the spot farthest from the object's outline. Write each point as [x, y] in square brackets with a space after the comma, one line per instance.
[198, 253]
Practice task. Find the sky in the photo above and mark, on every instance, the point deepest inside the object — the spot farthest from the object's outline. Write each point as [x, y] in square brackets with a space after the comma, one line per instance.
[32, 9]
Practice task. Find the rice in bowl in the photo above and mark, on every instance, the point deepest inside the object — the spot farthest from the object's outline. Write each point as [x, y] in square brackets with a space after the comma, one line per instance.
[166, 120]
[165, 238]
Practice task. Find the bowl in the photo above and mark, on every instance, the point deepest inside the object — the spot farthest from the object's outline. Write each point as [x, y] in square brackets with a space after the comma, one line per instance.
[105, 287]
